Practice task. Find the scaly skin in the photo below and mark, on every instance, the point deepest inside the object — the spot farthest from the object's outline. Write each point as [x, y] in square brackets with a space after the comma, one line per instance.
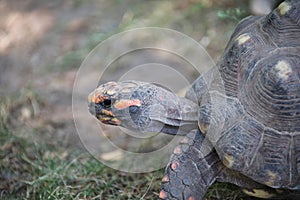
[143, 107]
[191, 170]
[250, 113]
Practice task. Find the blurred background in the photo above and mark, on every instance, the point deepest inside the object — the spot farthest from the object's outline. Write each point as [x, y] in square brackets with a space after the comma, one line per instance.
[42, 45]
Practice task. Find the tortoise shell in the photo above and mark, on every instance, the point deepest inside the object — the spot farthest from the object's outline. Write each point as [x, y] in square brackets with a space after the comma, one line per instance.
[260, 114]
[247, 109]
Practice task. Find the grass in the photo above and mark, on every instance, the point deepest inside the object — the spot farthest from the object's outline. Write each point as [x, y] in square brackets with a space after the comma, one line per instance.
[48, 170]
[40, 171]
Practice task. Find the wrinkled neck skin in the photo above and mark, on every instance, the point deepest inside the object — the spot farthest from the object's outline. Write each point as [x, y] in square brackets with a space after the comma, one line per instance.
[144, 107]
[159, 111]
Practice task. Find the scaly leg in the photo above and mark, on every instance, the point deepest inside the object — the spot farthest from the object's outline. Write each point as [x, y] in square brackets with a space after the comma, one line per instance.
[194, 167]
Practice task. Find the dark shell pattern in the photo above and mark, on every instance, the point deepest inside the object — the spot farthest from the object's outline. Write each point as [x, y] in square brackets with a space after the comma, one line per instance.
[261, 70]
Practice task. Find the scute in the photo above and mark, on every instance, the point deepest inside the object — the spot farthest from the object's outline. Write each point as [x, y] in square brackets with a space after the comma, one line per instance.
[283, 29]
[240, 141]
[261, 69]
[284, 69]
[263, 194]
[283, 8]
[241, 54]
[243, 38]
[271, 93]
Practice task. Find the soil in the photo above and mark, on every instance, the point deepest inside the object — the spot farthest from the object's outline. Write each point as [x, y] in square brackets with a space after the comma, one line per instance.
[42, 45]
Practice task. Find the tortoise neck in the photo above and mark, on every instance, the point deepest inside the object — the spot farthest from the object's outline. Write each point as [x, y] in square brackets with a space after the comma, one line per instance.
[185, 121]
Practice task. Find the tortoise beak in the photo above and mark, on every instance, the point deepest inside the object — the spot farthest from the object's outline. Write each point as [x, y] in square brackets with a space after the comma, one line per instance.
[103, 115]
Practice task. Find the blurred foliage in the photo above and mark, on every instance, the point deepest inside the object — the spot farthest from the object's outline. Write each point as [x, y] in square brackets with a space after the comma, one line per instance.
[197, 7]
[74, 58]
[235, 14]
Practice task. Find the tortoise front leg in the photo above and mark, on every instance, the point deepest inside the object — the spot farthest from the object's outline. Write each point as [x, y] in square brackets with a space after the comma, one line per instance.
[194, 167]
[190, 171]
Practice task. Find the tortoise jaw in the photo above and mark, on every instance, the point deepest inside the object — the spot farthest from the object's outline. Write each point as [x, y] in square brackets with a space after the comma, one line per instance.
[103, 115]
[102, 104]
[109, 120]
[107, 117]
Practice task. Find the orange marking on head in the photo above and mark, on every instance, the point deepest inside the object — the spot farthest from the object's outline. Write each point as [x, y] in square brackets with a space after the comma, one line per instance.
[162, 194]
[165, 179]
[122, 104]
[98, 98]
[191, 198]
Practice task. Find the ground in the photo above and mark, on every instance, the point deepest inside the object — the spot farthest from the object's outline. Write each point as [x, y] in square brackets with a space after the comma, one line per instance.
[42, 45]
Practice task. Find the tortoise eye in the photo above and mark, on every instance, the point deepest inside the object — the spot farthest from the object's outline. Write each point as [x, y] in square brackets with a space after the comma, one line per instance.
[106, 103]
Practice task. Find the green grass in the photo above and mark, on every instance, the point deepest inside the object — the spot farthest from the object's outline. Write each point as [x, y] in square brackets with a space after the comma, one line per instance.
[42, 171]
[48, 170]
[39, 171]
[236, 14]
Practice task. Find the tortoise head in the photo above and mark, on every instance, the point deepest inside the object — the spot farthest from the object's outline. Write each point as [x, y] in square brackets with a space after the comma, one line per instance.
[106, 101]
[143, 107]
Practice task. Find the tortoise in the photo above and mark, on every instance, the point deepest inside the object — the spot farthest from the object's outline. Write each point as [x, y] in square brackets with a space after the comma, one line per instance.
[252, 124]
